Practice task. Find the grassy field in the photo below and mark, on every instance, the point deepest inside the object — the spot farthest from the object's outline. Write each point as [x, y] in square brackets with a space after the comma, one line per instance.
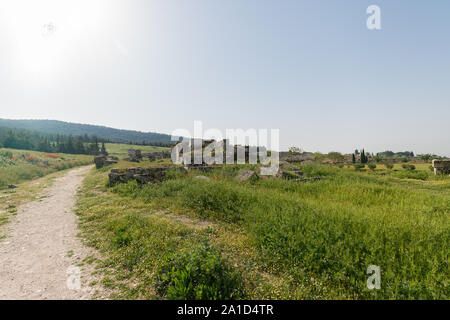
[272, 238]
[17, 166]
[121, 150]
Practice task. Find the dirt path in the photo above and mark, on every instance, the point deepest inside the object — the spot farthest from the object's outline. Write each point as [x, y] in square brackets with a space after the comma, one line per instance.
[39, 257]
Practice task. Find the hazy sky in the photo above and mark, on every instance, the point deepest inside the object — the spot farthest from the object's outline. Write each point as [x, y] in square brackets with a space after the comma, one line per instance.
[310, 68]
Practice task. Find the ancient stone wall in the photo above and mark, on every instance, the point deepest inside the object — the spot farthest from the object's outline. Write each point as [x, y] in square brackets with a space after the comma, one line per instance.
[441, 166]
[141, 175]
[245, 150]
[134, 155]
[102, 160]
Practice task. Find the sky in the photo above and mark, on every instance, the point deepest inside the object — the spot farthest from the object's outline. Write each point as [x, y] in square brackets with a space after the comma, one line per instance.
[311, 69]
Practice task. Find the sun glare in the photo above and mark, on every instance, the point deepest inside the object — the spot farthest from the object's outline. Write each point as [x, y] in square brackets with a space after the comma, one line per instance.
[44, 34]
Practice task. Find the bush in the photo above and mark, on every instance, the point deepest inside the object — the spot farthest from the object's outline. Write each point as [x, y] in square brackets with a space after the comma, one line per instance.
[201, 274]
[409, 167]
[372, 166]
[6, 154]
[389, 165]
[359, 166]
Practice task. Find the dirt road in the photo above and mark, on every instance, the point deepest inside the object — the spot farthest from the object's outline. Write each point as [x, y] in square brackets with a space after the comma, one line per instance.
[39, 258]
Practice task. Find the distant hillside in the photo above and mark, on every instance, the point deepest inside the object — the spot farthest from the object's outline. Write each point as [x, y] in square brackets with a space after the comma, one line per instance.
[76, 129]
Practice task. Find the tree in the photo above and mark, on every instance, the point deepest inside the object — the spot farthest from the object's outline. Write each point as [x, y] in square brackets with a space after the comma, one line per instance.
[318, 156]
[335, 156]
[79, 145]
[70, 147]
[377, 158]
[33, 140]
[364, 158]
[295, 150]
[425, 157]
[353, 158]
[104, 152]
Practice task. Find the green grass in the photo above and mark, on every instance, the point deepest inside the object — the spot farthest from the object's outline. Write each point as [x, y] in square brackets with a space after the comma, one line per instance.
[200, 274]
[17, 166]
[288, 240]
[121, 150]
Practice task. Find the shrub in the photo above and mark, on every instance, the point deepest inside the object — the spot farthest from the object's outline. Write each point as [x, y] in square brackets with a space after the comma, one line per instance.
[389, 165]
[201, 274]
[122, 236]
[409, 167]
[359, 166]
[6, 154]
[372, 166]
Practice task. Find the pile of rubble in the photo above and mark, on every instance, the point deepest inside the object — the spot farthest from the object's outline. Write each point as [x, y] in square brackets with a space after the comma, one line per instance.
[141, 175]
[102, 161]
[289, 171]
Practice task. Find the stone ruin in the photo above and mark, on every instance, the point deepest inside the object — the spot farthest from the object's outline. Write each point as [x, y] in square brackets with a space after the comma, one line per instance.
[134, 155]
[247, 175]
[202, 144]
[102, 161]
[286, 171]
[153, 156]
[290, 157]
[289, 171]
[141, 175]
[441, 166]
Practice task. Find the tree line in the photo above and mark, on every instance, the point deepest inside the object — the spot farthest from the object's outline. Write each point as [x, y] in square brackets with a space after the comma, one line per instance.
[103, 133]
[36, 141]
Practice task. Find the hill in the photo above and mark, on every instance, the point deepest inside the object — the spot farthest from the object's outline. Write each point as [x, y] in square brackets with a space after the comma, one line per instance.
[77, 129]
